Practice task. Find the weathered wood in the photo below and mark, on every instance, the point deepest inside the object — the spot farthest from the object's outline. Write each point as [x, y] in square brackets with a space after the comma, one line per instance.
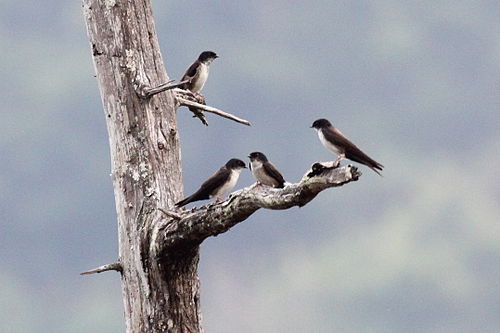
[116, 266]
[159, 244]
[191, 104]
[145, 160]
[147, 92]
[193, 226]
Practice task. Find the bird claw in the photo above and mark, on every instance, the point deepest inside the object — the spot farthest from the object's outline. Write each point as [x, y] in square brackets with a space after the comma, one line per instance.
[336, 163]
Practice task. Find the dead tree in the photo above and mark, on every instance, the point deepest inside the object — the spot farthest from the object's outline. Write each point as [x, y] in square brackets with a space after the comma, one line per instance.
[158, 244]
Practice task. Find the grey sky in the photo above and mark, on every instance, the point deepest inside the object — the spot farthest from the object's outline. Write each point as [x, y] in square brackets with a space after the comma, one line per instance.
[414, 84]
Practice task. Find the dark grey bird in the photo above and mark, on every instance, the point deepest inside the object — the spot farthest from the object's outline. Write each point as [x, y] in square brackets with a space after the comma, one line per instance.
[338, 143]
[219, 184]
[197, 73]
[264, 171]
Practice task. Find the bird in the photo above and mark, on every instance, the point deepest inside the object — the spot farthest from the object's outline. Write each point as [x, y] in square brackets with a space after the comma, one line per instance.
[264, 171]
[197, 73]
[338, 143]
[219, 184]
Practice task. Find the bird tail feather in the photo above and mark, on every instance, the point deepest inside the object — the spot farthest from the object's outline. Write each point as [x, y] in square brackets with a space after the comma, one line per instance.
[376, 165]
[185, 201]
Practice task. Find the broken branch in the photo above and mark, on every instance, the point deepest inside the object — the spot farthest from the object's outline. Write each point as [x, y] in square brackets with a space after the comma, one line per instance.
[210, 220]
[147, 92]
[188, 103]
[116, 266]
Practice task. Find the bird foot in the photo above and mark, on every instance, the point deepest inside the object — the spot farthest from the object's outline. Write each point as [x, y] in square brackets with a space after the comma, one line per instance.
[336, 163]
[256, 184]
[199, 98]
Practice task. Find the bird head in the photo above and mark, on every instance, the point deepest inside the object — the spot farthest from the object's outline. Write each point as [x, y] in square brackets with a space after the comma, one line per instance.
[207, 56]
[235, 164]
[321, 123]
[257, 156]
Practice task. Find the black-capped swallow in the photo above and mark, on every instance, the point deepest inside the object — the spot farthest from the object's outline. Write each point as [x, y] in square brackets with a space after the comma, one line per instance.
[339, 144]
[197, 73]
[264, 171]
[219, 184]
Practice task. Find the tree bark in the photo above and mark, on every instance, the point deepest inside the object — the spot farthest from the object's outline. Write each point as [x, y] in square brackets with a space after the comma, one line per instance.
[159, 244]
[145, 162]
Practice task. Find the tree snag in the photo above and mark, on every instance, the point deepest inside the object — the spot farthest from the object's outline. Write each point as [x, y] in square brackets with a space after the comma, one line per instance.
[159, 244]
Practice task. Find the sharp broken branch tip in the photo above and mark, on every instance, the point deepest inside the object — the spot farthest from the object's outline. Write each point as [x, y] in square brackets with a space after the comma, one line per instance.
[116, 266]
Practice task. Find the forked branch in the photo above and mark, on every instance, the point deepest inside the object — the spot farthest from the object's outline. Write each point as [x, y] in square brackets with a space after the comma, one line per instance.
[215, 218]
[185, 102]
[197, 102]
[194, 101]
[147, 92]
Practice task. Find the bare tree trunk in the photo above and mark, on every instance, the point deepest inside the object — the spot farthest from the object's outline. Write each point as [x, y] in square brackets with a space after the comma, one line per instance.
[145, 159]
[159, 244]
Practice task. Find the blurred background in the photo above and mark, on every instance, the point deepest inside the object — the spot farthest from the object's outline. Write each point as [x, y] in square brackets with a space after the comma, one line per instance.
[414, 84]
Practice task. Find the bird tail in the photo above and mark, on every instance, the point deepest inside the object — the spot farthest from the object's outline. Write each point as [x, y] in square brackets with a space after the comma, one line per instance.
[375, 166]
[185, 201]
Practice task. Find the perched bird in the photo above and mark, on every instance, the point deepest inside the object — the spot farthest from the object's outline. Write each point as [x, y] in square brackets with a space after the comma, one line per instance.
[219, 184]
[197, 73]
[337, 143]
[264, 171]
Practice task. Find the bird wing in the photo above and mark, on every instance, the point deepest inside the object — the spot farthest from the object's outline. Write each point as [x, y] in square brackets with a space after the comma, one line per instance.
[191, 71]
[336, 137]
[273, 172]
[208, 187]
[215, 181]
[350, 150]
